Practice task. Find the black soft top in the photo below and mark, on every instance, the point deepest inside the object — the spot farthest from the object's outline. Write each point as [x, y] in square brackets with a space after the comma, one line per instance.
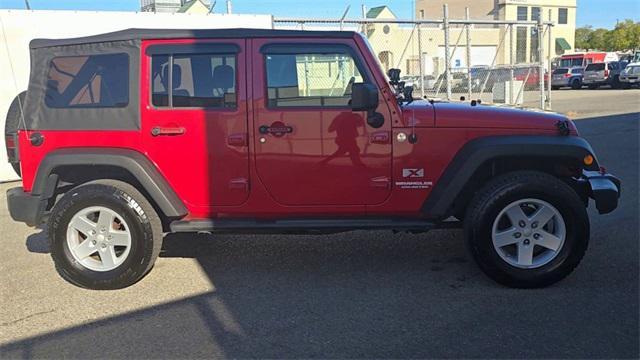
[145, 34]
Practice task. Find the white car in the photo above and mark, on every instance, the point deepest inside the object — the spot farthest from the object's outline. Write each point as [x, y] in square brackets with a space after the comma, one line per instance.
[630, 76]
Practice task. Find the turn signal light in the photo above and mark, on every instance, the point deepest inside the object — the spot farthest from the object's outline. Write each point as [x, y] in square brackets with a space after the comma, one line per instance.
[588, 160]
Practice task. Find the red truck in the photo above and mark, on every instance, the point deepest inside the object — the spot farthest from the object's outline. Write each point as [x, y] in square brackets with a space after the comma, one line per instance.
[584, 59]
[134, 134]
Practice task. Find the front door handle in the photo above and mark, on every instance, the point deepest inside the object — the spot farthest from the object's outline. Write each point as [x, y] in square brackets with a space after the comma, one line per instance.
[276, 129]
[167, 131]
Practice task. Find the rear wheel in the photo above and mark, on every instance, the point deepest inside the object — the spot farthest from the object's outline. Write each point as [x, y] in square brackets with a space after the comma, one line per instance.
[576, 84]
[527, 229]
[104, 235]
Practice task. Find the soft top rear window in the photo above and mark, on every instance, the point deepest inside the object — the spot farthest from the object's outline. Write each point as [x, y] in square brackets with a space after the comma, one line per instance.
[88, 81]
[595, 67]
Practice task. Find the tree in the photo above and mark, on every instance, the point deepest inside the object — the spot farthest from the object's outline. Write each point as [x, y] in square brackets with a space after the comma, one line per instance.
[582, 37]
[597, 39]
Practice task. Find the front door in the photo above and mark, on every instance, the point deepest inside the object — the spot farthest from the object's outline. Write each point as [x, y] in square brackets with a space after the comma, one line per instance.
[195, 119]
[311, 149]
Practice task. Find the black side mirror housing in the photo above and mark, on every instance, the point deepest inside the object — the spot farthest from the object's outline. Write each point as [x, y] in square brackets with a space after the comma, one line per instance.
[394, 76]
[364, 97]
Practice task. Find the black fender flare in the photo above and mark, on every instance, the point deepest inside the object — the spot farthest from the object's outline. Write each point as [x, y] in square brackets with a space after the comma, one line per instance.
[138, 165]
[477, 152]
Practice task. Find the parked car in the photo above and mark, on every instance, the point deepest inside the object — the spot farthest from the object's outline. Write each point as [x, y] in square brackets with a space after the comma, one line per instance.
[630, 76]
[134, 134]
[605, 73]
[567, 77]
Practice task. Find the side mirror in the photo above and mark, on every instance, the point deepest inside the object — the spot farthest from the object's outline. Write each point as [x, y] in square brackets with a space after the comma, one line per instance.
[394, 76]
[364, 97]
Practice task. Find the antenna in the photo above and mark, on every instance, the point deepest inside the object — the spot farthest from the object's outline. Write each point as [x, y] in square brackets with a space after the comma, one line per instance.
[26, 3]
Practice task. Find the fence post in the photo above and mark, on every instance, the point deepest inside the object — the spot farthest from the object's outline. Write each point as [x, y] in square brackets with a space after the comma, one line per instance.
[420, 60]
[447, 64]
[511, 88]
[541, 61]
[550, 51]
[468, 31]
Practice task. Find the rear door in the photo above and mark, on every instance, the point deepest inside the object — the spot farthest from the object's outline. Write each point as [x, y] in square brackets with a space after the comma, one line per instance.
[195, 119]
[311, 149]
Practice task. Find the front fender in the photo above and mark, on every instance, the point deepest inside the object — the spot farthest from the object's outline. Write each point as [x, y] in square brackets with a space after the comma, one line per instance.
[477, 152]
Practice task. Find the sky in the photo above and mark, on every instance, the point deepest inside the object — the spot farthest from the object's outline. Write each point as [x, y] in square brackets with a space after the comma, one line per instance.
[598, 13]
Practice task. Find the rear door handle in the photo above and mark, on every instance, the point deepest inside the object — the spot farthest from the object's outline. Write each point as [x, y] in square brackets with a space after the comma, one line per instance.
[380, 137]
[167, 131]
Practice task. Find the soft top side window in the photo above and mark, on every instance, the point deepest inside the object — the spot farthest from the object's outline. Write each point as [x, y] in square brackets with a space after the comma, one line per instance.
[89, 81]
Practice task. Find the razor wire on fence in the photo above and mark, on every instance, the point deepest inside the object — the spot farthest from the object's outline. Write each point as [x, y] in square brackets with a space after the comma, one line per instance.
[494, 61]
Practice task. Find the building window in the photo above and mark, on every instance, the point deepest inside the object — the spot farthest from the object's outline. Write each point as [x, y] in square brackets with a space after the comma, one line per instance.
[521, 45]
[535, 13]
[88, 81]
[421, 14]
[523, 13]
[295, 80]
[563, 15]
[534, 45]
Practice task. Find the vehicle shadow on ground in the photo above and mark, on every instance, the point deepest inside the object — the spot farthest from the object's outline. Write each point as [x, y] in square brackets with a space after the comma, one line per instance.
[366, 295]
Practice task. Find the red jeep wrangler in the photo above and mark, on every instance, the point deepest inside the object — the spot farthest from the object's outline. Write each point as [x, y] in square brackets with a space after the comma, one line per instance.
[137, 133]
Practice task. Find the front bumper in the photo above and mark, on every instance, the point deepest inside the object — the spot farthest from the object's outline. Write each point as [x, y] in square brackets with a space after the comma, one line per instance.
[25, 207]
[603, 188]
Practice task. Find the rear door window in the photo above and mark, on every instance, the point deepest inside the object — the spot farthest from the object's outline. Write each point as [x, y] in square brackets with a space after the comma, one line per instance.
[560, 71]
[88, 81]
[194, 80]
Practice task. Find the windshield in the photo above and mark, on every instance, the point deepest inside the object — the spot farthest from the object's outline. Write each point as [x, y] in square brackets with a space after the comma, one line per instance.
[635, 70]
[560, 71]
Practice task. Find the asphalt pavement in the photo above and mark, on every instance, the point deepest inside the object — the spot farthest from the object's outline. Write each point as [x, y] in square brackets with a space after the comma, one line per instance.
[351, 295]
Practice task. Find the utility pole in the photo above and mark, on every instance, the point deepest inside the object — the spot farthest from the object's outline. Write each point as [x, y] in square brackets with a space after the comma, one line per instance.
[228, 6]
[26, 3]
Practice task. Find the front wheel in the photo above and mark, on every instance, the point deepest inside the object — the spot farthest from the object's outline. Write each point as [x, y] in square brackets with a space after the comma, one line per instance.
[104, 235]
[527, 229]
[576, 84]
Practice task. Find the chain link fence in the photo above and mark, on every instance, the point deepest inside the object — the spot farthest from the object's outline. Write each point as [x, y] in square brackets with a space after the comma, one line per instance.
[494, 61]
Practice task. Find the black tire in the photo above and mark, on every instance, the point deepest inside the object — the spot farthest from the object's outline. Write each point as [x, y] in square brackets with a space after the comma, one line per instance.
[14, 116]
[615, 84]
[555, 87]
[576, 84]
[506, 189]
[144, 225]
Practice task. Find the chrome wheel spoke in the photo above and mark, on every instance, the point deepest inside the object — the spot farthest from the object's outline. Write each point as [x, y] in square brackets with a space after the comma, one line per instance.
[506, 237]
[108, 257]
[516, 215]
[119, 238]
[543, 215]
[549, 241]
[82, 224]
[105, 220]
[525, 254]
[85, 249]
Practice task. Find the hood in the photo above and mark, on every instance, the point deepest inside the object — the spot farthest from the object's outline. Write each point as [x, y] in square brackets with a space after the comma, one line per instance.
[420, 113]
[463, 115]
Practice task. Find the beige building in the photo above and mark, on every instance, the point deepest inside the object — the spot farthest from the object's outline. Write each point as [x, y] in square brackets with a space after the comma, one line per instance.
[561, 12]
[402, 46]
[200, 7]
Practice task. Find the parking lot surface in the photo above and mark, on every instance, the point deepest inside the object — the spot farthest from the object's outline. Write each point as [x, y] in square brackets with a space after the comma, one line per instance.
[351, 295]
